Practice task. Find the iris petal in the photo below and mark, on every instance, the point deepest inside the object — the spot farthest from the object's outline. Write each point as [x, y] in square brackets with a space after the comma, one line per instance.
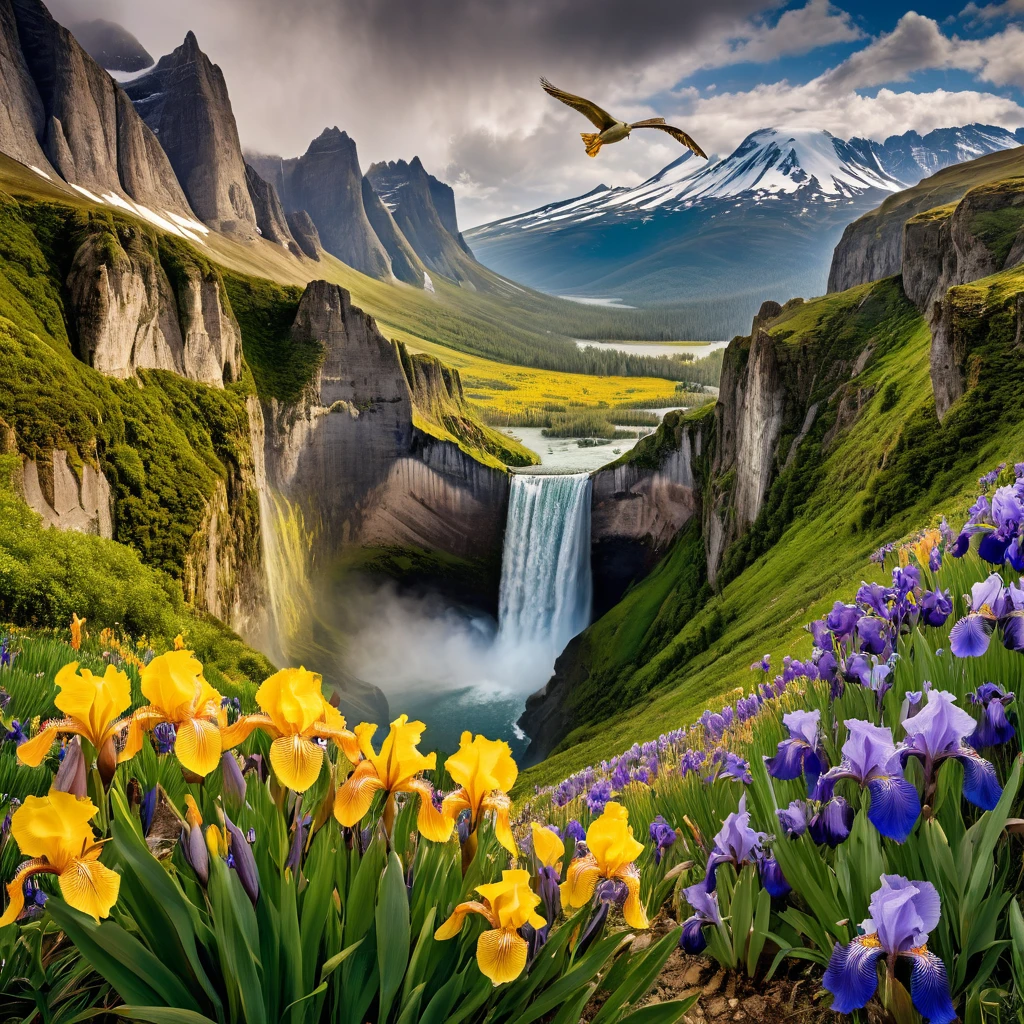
[895, 806]
[297, 761]
[970, 636]
[788, 763]
[692, 940]
[90, 887]
[501, 954]
[981, 784]
[929, 987]
[852, 975]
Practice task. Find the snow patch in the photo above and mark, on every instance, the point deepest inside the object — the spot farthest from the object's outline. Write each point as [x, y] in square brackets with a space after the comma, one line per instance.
[40, 172]
[428, 285]
[91, 196]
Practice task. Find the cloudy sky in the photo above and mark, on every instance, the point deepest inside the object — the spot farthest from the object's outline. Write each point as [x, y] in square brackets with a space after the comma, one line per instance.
[455, 81]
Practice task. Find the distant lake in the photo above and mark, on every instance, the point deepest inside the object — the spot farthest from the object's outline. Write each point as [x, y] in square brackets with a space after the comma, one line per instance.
[698, 349]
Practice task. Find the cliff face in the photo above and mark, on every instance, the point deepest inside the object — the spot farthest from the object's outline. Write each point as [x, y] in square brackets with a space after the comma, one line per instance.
[350, 455]
[60, 102]
[412, 196]
[184, 100]
[67, 500]
[305, 234]
[872, 246]
[955, 245]
[405, 264]
[638, 508]
[270, 215]
[129, 316]
[327, 183]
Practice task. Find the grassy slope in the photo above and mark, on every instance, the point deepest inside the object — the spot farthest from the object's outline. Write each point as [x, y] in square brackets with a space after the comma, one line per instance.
[894, 471]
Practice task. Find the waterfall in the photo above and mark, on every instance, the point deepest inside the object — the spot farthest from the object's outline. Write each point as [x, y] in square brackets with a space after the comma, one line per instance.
[546, 587]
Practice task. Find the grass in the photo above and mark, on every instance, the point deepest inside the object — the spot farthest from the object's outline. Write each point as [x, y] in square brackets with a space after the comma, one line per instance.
[673, 645]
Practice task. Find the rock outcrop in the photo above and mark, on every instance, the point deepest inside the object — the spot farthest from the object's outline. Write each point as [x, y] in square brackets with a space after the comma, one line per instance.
[350, 455]
[67, 500]
[305, 234]
[57, 95]
[128, 316]
[872, 246]
[638, 508]
[954, 245]
[185, 101]
[270, 215]
[412, 196]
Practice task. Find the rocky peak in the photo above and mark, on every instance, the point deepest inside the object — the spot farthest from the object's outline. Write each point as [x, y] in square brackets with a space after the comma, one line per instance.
[59, 101]
[185, 101]
[327, 183]
[305, 234]
[412, 196]
[112, 46]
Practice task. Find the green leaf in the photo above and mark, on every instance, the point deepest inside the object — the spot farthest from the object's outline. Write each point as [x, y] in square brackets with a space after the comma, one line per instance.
[133, 971]
[334, 962]
[393, 928]
[162, 1015]
[759, 932]
[662, 1013]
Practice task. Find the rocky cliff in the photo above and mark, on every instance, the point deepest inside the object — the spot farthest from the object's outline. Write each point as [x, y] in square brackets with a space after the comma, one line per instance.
[111, 45]
[64, 499]
[185, 101]
[351, 455]
[405, 264]
[952, 245]
[640, 505]
[59, 102]
[305, 233]
[412, 196]
[872, 246]
[270, 216]
[327, 183]
[129, 316]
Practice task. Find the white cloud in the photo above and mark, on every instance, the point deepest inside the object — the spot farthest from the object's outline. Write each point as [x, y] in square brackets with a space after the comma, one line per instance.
[797, 32]
[993, 12]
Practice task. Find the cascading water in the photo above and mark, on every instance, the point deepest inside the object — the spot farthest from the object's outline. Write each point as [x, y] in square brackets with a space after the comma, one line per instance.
[546, 587]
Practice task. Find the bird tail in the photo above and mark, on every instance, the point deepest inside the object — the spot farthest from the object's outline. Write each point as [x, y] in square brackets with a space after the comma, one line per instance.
[592, 140]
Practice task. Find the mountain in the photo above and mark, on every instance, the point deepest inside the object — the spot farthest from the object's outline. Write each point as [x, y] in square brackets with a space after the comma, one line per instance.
[405, 263]
[911, 157]
[710, 239]
[185, 101]
[63, 114]
[872, 246]
[112, 46]
[424, 210]
[327, 183]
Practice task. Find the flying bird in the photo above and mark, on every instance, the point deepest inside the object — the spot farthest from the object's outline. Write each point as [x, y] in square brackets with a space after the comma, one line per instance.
[610, 129]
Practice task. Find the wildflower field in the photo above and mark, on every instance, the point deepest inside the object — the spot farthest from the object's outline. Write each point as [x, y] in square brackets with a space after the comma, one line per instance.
[173, 853]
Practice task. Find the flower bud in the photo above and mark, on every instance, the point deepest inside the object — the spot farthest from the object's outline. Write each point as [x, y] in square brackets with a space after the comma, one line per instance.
[71, 776]
[233, 781]
[244, 862]
[193, 847]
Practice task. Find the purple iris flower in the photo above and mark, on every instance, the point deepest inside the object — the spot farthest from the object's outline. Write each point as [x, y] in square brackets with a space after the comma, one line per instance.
[871, 674]
[994, 728]
[620, 777]
[986, 481]
[164, 736]
[803, 752]
[600, 793]
[843, 619]
[574, 832]
[793, 819]
[764, 665]
[736, 843]
[823, 636]
[15, 734]
[936, 606]
[663, 835]
[875, 598]
[691, 761]
[831, 823]
[705, 911]
[6, 654]
[902, 915]
[870, 758]
[969, 638]
[714, 725]
[772, 877]
[730, 765]
[935, 734]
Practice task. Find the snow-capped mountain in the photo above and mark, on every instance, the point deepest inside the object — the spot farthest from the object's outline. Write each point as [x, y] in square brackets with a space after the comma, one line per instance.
[716, 237]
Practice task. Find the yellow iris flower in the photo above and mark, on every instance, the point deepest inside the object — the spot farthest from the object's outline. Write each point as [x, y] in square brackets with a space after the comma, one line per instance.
[485, 772]
[507, 905]
[296, 714]
[54, 832]
[76, 630]
[394, 770]
[177, 692]
[612, 853]
[547, 847]
[91, 705]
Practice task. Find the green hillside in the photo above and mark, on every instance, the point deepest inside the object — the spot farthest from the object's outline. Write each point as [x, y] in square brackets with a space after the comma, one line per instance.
[674, 645]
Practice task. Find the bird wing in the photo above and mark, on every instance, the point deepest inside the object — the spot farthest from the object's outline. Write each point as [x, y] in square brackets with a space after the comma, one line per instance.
[598, 117]
[677, 133]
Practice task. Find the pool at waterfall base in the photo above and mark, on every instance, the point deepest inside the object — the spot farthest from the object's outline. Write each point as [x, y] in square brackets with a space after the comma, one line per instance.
[456, 669]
